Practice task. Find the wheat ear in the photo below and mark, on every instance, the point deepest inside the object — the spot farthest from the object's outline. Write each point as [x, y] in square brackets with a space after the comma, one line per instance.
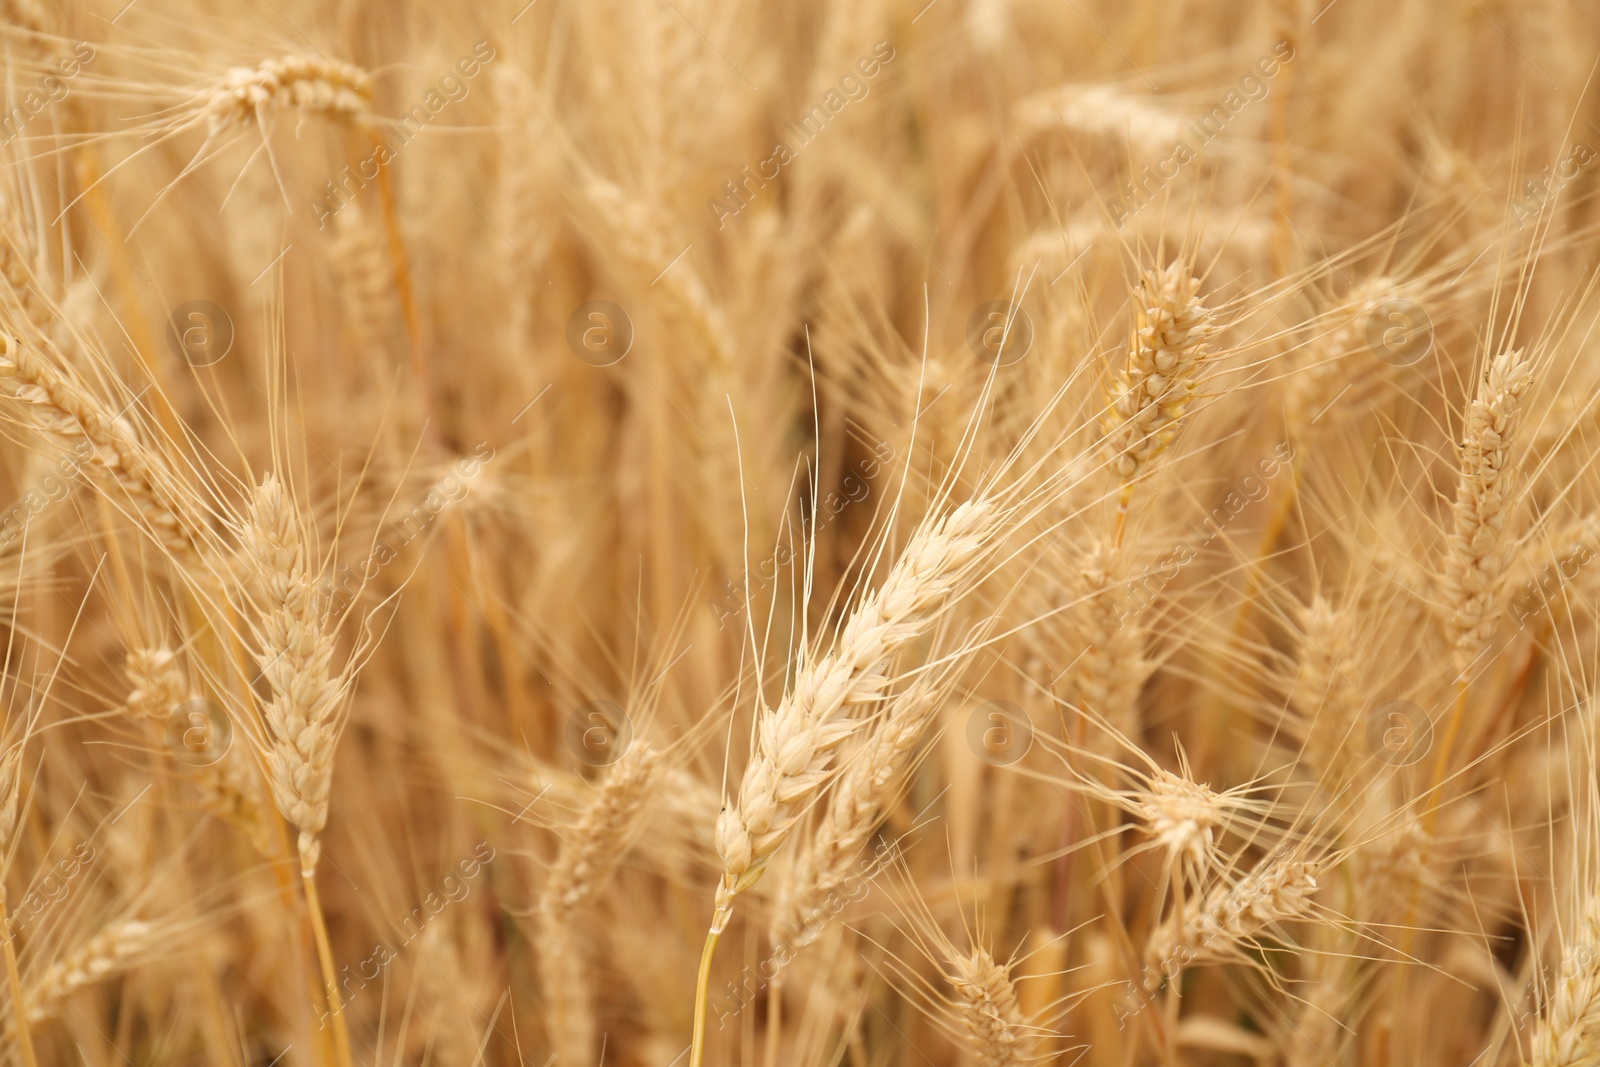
[796, 742]
[360, 257]
[1150, 395]
[25, 15]
[1182, 816]
[589, 854]
[1111, 669]
[159, 689]
[310, 83]
[1569, 1034]
[1281, 888]
[1315, 381]
[295, 654]
[303, 711]
[1479, 551]
[986, 1002]
[1322, 698]
[103, 955]
[1101, 111]
[866, 785]
[55, 405]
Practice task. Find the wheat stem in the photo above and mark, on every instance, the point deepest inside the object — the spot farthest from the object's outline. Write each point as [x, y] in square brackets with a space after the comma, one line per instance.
[319, 930]
[14, 982]
[702, 989]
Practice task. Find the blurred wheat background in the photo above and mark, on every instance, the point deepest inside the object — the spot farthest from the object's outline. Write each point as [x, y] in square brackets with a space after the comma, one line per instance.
[887, 532]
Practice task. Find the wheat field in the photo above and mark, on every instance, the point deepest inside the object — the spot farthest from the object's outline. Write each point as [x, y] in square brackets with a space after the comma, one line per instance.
[876, 533]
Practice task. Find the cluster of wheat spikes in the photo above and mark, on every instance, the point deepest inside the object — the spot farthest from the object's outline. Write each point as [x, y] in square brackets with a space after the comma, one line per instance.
[856, 533]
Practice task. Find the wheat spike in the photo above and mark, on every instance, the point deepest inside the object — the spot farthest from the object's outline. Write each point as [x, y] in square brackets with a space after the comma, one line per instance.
[295, 653]
[10, 796]
[590, 851]
[26, 15]
[54, 404]
[1102, 111]
[1322, 695]
[310, 83]
[1182, 816]
[1281, 888]
[360, 257]
[1322, 365]
[1150, 396]
[866, 784]
[103, 955]
[1477, 554]
[227, 785]
[1569, 1034]
[158, 683]
[795, 742]
[986, 1000]
[1112, 668]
